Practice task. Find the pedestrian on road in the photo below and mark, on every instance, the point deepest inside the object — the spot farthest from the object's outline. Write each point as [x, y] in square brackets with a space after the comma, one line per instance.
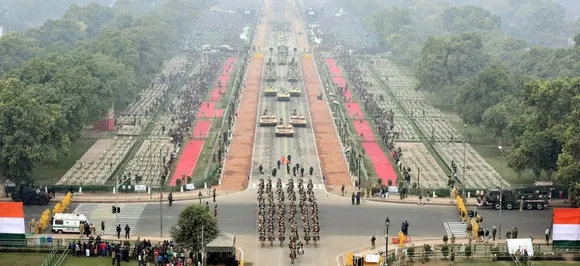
[289, 158]
[405, 227]
[373, 239]
[420, 199]
[352, 198]
[127, 230]
[288, 169]
[311, 170]
[522, 205]
[302, 172]
[119, 231]
[93, 230]
[199, 196]
[342, 190]
[81, 229]
[214, 193]
[493, 233]
[358, 198]
[547, 234]
[278, 164]
[102, 228]
[207, 205]
[261, 168]
[215, 211]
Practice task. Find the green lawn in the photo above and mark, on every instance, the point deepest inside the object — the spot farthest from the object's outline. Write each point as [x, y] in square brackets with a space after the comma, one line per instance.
[92, 261]
[16, 259]
[53, 172]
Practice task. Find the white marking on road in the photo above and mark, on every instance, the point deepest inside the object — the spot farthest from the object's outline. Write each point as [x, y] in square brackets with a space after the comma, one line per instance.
[455, 228]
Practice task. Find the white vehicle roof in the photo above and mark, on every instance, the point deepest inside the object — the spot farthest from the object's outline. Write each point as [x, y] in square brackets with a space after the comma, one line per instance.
[69, 216]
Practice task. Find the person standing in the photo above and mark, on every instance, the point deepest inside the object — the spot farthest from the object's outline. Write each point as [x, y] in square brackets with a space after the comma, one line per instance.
[352, 198]
[103, 228]
[373, 239]
[119, 231]
[215, 211]
[311, 170]
[547, 234]
[493, 233]
[214, 194]
[199, 196]
[127, 230]
[81, 229]
[342, 190]
[93, 230]
[522, 204]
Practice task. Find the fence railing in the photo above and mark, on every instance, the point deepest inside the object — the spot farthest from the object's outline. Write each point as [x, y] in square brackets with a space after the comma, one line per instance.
[475, 252]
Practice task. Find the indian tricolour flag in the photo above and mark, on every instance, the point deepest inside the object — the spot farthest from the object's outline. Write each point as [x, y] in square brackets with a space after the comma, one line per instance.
[12, 226]
[566, 227]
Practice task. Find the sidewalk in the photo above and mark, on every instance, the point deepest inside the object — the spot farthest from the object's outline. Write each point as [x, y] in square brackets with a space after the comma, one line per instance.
[105, 197]
[412, 199]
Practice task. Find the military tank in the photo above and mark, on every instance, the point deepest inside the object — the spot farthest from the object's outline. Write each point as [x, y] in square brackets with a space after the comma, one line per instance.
[284, 130]
[295, 92]
[267, 119]
[297, 120]
[283, 96]
[270, 71]
[282, 54]
[271, 91]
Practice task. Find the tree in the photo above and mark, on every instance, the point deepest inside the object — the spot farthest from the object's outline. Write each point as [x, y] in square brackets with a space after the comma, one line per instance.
[463, 19]
[482, 92]
[25, 130]
[195, 222]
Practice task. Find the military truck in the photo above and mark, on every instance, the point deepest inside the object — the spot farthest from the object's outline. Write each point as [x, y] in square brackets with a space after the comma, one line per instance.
[511, 198]
[31, 196]
[282, 54]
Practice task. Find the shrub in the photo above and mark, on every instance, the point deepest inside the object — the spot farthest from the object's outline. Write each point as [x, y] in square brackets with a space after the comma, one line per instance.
[189, 179]
[411, 252]
[468, 251]
[178, 182]
[390, 182]
[445, 251]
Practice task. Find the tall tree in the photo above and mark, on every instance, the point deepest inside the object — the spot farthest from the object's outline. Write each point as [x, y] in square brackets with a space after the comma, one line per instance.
[194, 224]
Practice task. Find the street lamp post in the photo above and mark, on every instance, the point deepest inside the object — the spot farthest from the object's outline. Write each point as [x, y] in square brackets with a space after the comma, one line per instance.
[500, 193]
[387, 223]
[359, 163]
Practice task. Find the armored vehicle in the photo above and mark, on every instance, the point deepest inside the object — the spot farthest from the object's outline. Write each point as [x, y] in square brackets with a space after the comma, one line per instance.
[282, 54]
[271, 91]
[270, 71]
[297, 120]
[284, 130]
[31, 196]
[267, 119]
[284, 96]
[295, 92]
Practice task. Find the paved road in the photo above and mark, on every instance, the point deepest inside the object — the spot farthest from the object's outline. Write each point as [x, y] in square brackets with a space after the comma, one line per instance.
[343, 226]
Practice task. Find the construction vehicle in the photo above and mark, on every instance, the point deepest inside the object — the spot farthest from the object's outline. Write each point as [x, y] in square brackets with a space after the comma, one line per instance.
[511, 198]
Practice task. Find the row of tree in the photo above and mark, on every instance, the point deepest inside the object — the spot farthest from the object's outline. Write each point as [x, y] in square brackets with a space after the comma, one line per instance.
[525, 94]
[69, 72]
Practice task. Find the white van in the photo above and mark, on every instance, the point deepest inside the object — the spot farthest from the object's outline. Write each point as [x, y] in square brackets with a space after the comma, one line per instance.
[68, 222]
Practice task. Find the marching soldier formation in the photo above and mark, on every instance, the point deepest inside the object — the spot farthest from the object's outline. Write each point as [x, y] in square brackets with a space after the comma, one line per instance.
[268, 212]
